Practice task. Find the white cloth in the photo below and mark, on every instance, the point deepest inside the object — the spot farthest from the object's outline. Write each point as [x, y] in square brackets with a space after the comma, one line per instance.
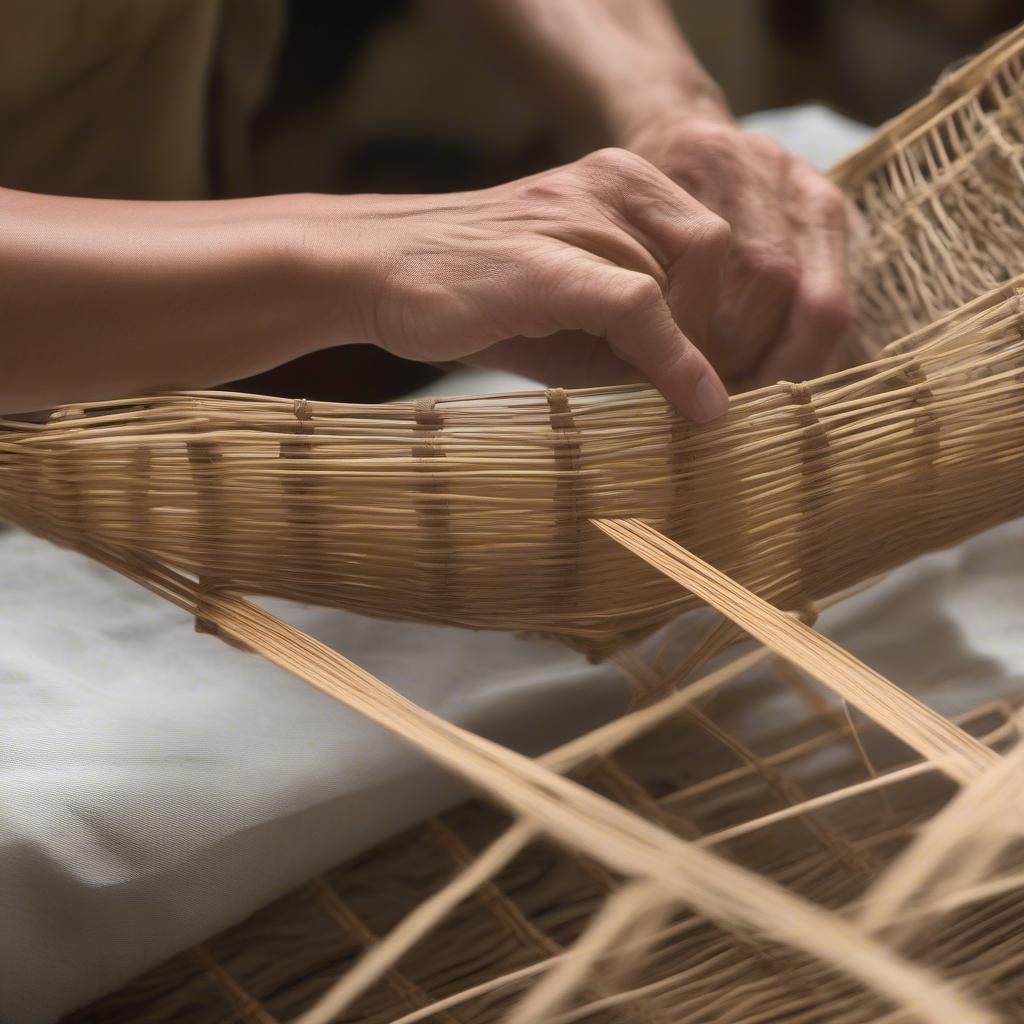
[157, 786]
[816, 134]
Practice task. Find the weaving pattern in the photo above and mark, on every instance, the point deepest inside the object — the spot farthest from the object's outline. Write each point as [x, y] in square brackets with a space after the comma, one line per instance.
[815, 802]
[939, 188]
[858, 859]
[479, 521]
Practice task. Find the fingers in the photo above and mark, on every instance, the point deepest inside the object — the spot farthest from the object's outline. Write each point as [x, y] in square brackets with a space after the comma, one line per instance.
[629, 232]
[784, 299]
[688, 242]
[696, 279]
[636, 320]
[766, 294]
[586, 250]
[764, 266]
[821, 313]
[627, 310]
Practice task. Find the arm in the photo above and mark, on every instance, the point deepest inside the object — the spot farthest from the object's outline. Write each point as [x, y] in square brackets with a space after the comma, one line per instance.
[100, 298]
[562, 275]
[621, 63]
[785, 304]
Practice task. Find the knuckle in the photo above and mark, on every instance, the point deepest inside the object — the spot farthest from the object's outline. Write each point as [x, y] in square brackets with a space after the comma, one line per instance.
[713, 231]
[769, 264]
[783, 272]
[823, 204]
[612, 162]
[637, 293]
[832, 310]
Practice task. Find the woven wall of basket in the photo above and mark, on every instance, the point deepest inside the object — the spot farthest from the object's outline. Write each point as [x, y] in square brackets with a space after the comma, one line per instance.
[859, 859]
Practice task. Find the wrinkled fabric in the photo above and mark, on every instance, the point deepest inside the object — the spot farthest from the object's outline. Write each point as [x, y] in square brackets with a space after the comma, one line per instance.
[156, 785]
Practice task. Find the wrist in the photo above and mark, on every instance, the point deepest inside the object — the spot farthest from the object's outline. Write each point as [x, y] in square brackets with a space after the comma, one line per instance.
[630, 118]
[339, 250]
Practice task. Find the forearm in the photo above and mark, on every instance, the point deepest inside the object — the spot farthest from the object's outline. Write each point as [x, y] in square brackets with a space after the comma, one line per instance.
[100, 299]
[625, 59]
[103, 298]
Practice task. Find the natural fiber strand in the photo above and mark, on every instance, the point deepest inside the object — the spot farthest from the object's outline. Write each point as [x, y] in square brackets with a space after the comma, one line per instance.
[598, 743]
[564, 810]
[581, 819]
[958, 847]
[926, 731]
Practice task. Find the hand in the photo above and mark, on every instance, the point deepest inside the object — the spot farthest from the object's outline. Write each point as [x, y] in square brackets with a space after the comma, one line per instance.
[623, 66]
[598, 271]
[785, 305]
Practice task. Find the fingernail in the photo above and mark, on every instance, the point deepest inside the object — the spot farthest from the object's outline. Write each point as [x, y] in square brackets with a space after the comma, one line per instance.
[710, 399]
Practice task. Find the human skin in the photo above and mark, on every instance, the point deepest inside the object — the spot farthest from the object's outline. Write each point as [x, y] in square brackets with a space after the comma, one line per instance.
[604, 270]
[785, 305]
[605, 259]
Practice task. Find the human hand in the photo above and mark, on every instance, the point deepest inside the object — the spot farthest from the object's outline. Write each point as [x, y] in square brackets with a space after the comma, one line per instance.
[624, 67]
[785, 305]
[598, 271]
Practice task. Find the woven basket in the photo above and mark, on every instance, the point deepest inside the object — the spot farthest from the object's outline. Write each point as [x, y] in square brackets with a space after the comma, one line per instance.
[659, 869]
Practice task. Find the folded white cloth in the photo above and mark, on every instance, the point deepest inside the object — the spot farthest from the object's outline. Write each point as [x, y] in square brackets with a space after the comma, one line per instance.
[156, 785]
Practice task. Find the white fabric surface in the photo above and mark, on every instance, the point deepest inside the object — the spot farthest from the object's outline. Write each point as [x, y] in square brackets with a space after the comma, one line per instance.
[156, 786]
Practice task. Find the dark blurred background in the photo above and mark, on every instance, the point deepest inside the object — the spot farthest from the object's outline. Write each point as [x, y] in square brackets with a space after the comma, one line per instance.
[867, 58]
[411, 75]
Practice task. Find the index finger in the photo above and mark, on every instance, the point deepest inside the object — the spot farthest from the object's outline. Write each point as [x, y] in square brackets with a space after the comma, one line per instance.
[641, 330]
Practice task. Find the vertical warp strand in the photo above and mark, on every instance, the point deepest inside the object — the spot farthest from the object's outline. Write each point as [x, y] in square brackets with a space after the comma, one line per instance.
[300, 546]
[812, 547]
[433, 512]
[203, 458]
[570, 516]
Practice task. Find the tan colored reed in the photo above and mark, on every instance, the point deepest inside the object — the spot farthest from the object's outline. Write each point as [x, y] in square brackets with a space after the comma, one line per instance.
[481, 520]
